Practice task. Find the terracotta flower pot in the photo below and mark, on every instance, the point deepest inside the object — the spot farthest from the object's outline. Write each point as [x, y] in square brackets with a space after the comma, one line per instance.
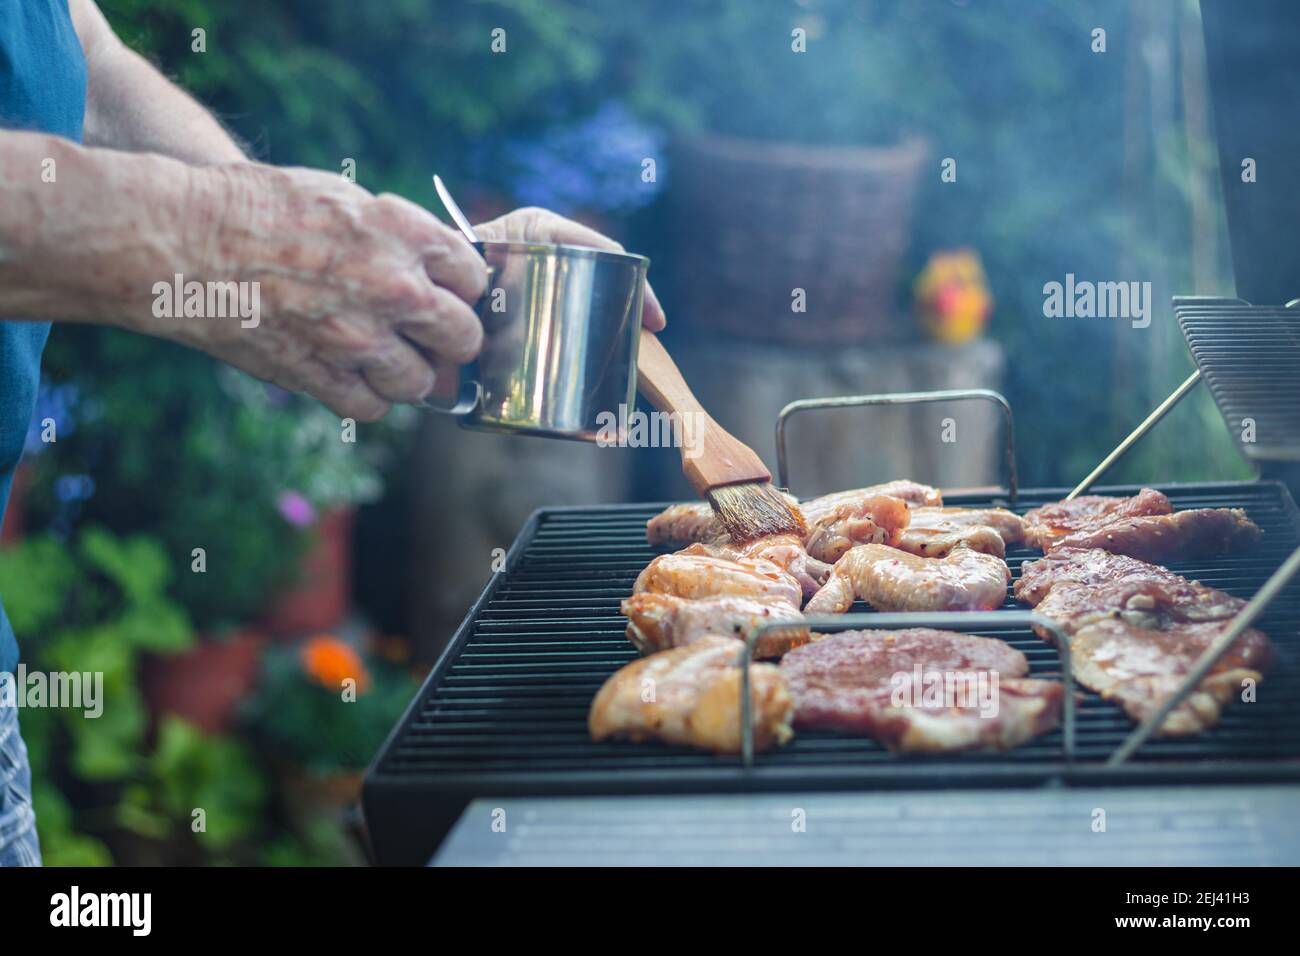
[307, 792]
[324, 591]
[206, 684]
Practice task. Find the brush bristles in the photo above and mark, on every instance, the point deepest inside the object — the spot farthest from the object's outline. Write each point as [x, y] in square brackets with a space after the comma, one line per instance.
[755, 510]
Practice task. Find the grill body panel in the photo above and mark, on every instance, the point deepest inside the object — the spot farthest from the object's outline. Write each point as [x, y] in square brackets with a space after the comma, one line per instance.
[504, 710]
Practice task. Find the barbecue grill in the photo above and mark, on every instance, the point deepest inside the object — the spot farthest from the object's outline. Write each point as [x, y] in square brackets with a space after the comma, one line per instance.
[503, 713]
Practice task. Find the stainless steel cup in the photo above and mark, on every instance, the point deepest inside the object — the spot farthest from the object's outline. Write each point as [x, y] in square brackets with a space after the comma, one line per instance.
[560, 331]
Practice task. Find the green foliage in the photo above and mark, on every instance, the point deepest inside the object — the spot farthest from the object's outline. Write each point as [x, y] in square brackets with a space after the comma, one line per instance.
[34, 581]
[298, 721]
[198, 456]
[399, 86]
[95, 608]
[188, 771]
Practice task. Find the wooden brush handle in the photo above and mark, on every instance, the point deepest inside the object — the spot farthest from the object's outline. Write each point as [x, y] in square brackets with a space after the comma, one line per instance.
[723, 459]
[660, 380]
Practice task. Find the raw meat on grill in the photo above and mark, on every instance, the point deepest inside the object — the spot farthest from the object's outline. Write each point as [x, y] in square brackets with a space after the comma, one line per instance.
[1090, 567]
[893, 580]
[1139, 668]
[1045, 526]
[657, 622]
[1142, 603]
[920, 690]
[691, 696]
[688, 523]
[1074, 586]
[853, 519]
[684, 524]
[1198, 532]
[933, 532]
[1136, 629]
[701, 575]
[786, 551]
[915, 494]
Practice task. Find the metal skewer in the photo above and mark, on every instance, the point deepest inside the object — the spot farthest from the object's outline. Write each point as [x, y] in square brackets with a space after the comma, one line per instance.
[1148, 423]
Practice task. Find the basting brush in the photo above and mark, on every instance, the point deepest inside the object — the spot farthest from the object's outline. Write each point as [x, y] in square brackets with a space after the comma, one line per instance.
[719, 466]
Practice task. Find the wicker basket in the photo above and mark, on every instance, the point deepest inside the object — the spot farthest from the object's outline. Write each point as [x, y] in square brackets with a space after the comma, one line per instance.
[755, 221]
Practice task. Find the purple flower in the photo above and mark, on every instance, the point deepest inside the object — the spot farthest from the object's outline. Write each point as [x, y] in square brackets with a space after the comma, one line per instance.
[593, 163]
[276, 396]
[70, 489]
[296, 509]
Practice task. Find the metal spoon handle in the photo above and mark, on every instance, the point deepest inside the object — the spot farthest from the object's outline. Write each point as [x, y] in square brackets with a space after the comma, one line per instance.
[450, 204]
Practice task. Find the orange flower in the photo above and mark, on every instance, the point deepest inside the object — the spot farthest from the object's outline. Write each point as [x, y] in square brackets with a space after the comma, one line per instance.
[330, 661]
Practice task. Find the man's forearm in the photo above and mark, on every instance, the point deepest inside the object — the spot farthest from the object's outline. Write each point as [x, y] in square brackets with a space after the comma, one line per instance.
[84, 233]
[131, 106]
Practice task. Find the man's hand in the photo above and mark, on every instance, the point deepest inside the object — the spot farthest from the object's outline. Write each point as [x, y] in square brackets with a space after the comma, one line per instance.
[541, 225]
[359, 294]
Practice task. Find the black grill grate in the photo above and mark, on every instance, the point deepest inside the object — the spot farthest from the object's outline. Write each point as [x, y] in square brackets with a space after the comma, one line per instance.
[504, 711]
[1249, 355]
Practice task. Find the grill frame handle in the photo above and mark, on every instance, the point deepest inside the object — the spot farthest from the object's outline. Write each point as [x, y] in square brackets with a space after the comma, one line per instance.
[905, 398]
[949, 620]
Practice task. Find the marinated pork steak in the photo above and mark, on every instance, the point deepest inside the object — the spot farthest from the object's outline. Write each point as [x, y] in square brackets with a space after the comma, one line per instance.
[1136, 629]
[893, 580]
[1197, 532]
[691, 696]
[1075, 587]
[1089, 567]
[657, 622]
[1075, 584]
[1139, 667]
[920, 690]
[1045, 526]
[933, 532]
[701, 576]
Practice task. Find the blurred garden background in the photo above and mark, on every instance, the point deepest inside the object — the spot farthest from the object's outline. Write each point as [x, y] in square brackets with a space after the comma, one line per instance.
[796, 144]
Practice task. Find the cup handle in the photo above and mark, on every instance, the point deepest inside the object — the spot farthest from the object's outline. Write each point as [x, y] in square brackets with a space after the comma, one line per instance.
[471, 392]
[466, 400]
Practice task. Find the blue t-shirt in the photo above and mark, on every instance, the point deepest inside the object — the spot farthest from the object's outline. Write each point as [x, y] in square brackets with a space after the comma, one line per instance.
[42, 88]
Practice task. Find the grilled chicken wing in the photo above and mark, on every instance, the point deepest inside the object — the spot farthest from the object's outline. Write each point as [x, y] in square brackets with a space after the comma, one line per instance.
[893, 580]
[786, 551]
[1200, 531]
[693, 575]
[1140, 667]
[691, 695]
[933, 532]
[914, 494]
[1045, 526]
[850, 519]
[971, 692]
[657, 622]
[695, 521]
[682, 524]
